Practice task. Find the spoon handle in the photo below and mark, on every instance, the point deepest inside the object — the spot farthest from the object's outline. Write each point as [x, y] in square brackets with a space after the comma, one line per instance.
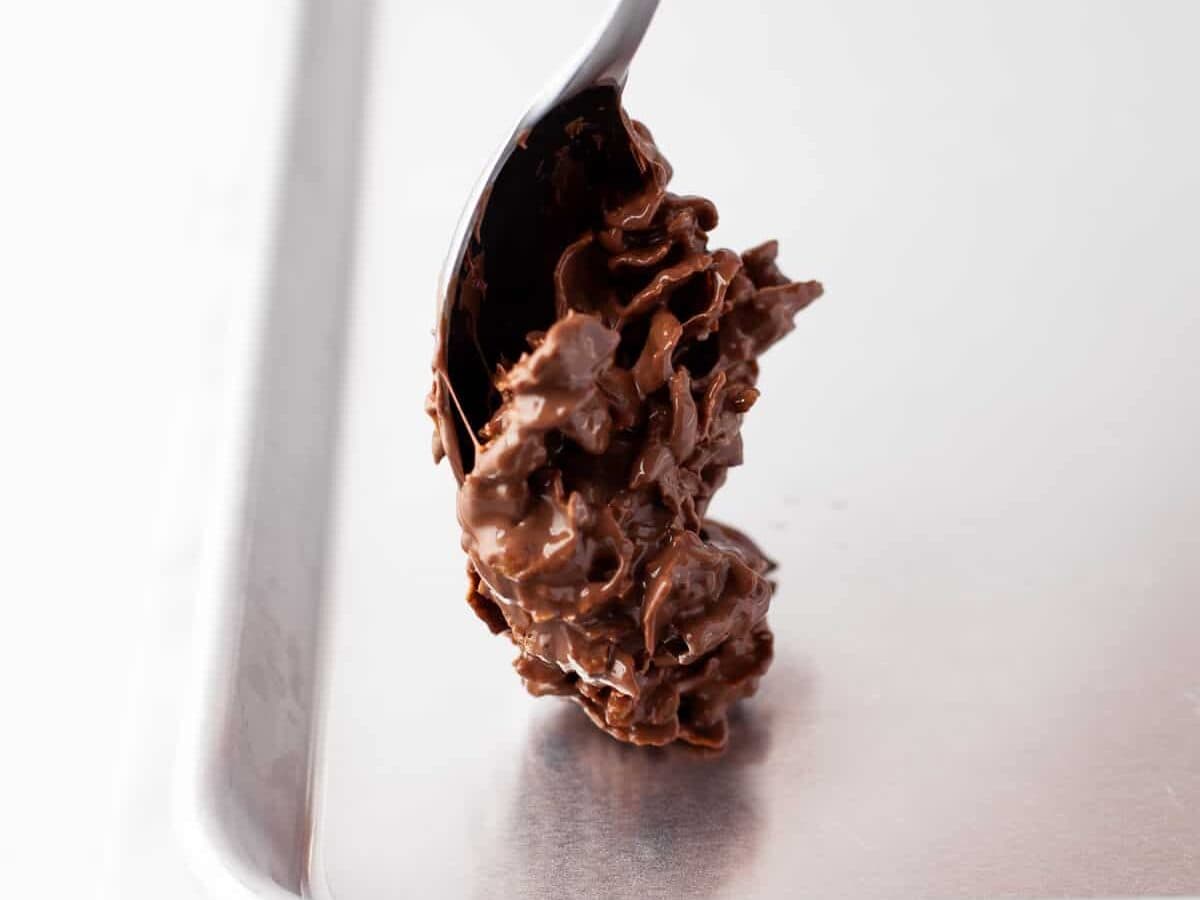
[607, 62]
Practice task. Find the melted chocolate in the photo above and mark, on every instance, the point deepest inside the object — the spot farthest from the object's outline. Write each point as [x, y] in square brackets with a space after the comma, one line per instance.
[589, 390]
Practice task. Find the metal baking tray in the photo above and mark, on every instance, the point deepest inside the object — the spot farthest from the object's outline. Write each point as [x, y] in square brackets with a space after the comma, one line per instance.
[974, 461]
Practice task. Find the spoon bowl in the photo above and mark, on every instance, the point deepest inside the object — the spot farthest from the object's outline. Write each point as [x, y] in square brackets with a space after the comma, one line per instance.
[603, 63]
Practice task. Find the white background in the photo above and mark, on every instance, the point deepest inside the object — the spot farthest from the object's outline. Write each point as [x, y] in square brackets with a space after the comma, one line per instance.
[132, 134]
[131, 150]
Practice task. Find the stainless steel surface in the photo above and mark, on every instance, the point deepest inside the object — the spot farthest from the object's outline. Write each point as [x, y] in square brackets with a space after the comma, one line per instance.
[975, 462]
[604, 59]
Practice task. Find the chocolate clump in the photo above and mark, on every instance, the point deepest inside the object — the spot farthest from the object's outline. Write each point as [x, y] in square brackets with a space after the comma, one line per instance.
[592, 375]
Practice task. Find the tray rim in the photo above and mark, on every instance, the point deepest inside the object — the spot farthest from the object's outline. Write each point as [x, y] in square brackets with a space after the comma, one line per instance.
[327, 57]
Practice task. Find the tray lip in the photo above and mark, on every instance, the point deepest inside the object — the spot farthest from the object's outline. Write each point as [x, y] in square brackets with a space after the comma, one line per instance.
[218, 614]
[299, 273]
[185, 632]
[217, 606]
[218, 610]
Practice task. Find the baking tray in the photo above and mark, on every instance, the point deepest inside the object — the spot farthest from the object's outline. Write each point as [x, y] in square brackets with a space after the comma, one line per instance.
[974, 461]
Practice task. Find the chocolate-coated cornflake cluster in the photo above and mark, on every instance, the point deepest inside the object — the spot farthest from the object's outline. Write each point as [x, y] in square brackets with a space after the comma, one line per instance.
[583, 498]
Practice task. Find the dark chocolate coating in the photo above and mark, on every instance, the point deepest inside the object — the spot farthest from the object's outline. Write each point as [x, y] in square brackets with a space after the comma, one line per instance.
[589, 388]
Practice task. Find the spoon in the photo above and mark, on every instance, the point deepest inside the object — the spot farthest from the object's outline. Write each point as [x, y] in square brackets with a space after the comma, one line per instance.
[603, 62]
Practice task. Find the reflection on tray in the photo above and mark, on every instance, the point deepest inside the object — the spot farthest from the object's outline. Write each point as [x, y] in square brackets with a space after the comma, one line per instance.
[594, 817]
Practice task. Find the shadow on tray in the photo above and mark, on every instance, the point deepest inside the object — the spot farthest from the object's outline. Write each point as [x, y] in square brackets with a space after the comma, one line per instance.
[594, 817]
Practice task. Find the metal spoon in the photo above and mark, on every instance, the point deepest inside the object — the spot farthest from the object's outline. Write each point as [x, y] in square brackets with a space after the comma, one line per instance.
[604, 61]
